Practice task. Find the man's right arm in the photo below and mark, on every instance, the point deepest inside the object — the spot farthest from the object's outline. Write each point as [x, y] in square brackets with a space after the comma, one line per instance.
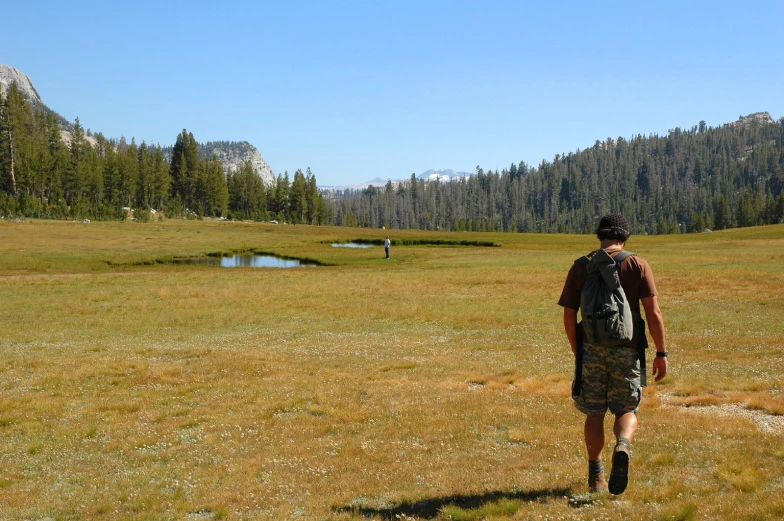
[570, 326]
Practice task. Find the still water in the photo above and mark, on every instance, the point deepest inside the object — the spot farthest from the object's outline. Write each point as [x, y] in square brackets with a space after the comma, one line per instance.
[251, 260]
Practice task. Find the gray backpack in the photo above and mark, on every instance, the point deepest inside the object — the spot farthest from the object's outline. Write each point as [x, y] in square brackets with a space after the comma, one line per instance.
[606, 315]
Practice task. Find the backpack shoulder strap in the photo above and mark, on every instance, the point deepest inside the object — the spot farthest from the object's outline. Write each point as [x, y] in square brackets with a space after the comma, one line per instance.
[585, 259]
[622, 256]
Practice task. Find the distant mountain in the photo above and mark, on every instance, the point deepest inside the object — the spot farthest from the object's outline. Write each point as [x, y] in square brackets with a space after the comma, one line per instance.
[443, 175]
[427, 175]
[231, 154]
[378, 182]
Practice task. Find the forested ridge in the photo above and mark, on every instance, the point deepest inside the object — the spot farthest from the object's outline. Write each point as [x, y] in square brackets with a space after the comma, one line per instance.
[686, 181]
[92, 177]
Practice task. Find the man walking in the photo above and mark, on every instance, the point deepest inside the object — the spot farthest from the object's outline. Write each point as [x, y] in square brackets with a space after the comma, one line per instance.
[386, 246]
[612, 377]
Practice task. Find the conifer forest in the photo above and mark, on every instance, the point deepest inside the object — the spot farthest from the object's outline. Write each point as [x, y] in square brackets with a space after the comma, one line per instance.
[93, 177]
[690, 180]
[687, 181]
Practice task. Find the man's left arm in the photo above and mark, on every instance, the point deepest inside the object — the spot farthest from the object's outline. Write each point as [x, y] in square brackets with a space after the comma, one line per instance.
[655, 321]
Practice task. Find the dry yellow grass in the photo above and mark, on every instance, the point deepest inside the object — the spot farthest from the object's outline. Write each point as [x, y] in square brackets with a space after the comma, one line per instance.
[434, 385]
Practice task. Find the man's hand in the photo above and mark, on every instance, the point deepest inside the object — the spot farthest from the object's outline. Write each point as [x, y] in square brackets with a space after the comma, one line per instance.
[659, 368]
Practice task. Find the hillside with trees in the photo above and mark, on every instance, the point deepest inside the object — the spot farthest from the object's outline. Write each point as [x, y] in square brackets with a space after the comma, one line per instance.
[687, 181]
[92, 177]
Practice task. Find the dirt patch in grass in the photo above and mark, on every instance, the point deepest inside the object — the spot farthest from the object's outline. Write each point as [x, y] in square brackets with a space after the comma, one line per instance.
[767, 423]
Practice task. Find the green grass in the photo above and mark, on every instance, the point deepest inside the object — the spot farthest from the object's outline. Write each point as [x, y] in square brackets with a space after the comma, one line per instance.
[424, 242]
[433, 385]
[499, 509]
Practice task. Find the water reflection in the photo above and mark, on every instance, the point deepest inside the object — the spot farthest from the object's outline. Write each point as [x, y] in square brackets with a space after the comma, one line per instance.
[350, 245]
[251, 260]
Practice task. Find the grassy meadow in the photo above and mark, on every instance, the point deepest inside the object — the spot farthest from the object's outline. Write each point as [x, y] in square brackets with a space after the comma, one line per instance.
[434, 385]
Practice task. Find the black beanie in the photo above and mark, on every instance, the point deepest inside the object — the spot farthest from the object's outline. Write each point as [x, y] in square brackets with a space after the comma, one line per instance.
[614, 222]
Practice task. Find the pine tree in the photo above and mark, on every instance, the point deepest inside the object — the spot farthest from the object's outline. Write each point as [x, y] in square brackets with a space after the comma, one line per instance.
[74, 175]
[161, 183]
[185, 171]
[7, 179]
[298, 198]
[216, 194]
[17, 130]
[128, 173]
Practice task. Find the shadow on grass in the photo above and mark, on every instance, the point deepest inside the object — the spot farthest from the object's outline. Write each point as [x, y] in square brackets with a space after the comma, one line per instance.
[430, 508]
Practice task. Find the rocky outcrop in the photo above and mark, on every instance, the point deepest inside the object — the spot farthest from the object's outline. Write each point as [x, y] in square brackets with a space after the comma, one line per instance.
[757, 117]
[233, 155]
[10, 75]
[67, 137]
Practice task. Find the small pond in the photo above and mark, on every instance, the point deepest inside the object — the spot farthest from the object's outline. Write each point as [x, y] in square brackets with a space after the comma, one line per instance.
[350, 245]
[251, 260]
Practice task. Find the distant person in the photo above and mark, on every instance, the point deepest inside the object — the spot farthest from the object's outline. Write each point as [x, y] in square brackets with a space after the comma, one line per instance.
[386, 246]
[611, 377]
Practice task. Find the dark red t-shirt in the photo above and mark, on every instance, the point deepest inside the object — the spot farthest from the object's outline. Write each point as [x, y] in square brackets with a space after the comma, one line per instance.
[636, 279]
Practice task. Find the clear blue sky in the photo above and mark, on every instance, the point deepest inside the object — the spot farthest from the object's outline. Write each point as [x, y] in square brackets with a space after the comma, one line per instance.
[363, 89]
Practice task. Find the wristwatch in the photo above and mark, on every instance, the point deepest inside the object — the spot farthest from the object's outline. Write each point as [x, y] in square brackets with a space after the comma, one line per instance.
[661, 354]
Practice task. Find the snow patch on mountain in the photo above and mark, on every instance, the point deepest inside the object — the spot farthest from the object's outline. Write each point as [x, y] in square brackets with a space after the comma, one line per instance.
[442, 176]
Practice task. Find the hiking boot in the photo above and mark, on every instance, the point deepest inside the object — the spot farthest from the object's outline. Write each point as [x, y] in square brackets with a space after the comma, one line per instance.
[597, 483]
[619, 475]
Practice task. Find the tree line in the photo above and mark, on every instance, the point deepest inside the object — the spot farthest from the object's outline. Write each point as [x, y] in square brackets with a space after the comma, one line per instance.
[92, 177]
[686, 181]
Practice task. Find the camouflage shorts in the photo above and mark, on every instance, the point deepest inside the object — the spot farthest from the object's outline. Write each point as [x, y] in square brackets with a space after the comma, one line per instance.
[611, 379]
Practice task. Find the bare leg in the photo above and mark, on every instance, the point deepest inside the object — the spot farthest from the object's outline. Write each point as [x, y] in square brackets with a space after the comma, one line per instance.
[625, 425]
[594, 436]
[594, 442]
